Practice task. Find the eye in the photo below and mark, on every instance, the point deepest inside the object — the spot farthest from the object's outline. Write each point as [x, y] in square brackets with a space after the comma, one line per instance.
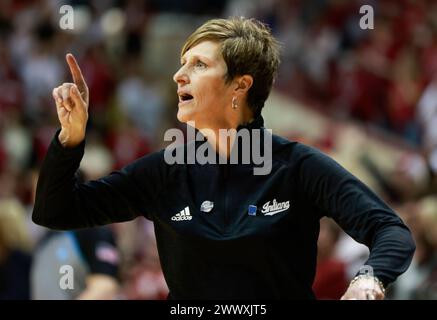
[200, 64]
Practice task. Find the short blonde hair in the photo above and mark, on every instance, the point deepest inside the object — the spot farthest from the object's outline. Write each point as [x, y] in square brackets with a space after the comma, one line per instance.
[247, 47]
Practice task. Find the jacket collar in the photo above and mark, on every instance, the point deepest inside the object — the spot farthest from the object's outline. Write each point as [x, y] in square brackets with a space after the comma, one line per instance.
[256, 123]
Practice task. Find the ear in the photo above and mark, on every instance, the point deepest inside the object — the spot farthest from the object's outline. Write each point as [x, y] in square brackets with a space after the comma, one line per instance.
[243, 84]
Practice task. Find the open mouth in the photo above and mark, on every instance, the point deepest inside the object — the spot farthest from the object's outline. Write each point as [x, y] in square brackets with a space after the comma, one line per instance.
[185, 97]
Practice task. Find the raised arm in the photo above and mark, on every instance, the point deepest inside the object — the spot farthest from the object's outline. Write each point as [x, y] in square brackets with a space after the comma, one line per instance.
[61, 201]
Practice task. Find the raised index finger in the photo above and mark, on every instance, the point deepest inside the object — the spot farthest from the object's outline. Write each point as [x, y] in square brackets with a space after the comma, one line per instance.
[76, 72]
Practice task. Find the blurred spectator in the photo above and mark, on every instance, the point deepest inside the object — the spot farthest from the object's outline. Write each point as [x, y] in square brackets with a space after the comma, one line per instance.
[15, 245]
[420, 280]
[97, 161]
[403, 94]
[352, 253]
[140, 101]
[427, 118]
[40, 72]
[331, 279]
[126, 143]
[11, 99]
[99, 77]
[427, 288]
[143, 279]
[93, 257]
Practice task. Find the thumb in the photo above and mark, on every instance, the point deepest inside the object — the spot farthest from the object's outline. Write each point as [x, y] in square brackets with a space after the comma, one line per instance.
[75, 95]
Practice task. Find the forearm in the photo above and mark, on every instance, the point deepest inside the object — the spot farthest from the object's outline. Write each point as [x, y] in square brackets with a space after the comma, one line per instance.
[360, 213]
[63, 203]
[55, 206]
[391, 253]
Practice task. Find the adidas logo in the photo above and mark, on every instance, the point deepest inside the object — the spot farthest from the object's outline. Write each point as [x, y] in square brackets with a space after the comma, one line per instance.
[183, 215]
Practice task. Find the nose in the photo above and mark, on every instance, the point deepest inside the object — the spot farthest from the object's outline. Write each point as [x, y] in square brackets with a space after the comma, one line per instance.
[181, 76]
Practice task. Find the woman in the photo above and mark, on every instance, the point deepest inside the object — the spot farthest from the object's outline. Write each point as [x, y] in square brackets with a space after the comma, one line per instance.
[223, 232]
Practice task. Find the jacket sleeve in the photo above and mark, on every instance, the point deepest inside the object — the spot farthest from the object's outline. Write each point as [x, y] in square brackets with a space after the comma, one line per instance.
[63, 203]
[359, 212]
[99, 249]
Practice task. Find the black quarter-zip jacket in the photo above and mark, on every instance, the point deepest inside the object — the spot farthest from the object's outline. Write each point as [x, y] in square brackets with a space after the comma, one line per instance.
[227, 253]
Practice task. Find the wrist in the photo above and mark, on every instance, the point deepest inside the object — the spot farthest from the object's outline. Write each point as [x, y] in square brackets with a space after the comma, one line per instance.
[68, 141]
[367, 277]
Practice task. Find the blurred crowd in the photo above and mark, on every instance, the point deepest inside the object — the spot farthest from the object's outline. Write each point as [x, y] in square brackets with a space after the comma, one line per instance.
[382, 78]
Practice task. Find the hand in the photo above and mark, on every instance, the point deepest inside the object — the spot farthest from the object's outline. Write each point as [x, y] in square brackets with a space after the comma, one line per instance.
[364, 288]
[72, 106]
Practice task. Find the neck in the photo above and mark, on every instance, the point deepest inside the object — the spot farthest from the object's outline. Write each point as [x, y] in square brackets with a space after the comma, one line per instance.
[222, 136]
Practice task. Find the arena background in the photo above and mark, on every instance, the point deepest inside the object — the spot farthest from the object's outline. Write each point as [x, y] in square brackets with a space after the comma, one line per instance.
[367, 97]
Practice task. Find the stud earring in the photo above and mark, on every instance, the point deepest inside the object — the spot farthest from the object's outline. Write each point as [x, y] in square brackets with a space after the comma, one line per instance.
[234, 103]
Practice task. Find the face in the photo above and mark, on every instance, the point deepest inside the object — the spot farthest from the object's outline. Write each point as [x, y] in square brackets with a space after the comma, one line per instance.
[204, 97]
